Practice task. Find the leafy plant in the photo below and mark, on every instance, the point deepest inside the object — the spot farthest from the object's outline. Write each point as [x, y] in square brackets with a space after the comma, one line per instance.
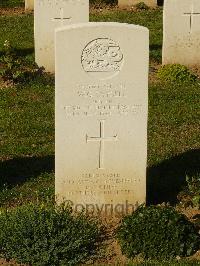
[190, 196]
[13, 68]
[44, 234]
[141, 6]
[176, 73]
[158, 232]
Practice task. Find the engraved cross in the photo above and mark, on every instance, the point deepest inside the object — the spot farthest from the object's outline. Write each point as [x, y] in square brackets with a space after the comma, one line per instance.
[191, 15]
[62, 18]
[101, 139]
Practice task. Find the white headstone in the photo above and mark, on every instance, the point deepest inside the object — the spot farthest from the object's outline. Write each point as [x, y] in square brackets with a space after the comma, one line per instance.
[124, 3]
[101, 114]
[181, 32]
[52, 14]
[29, 5]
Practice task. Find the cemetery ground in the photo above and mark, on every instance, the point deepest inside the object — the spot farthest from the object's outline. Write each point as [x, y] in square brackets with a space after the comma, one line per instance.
[27, 126]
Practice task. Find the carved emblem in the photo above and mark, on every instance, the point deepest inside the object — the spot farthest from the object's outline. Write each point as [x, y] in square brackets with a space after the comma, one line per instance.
[102, 55]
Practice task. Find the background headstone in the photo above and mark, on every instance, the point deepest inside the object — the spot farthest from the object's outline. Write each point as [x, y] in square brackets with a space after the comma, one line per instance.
[124, 3]
[49, 15]
[181, 32]
[29, 5]
[101, 113]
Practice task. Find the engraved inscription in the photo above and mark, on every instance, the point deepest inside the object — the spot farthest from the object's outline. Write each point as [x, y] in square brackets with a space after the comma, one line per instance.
[58, 2]
[96, 178]
[191, 16]
[191, 40]
[103, 101]
[102, 109]
[62, 18]
[101, 183]
[101, 139]
[105, 192]
[102, 55]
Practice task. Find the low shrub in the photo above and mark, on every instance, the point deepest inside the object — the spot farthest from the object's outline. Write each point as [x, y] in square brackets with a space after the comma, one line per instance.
[190, 195]
[46, 235]
[141, 6]
[176, 73]
[157, 232]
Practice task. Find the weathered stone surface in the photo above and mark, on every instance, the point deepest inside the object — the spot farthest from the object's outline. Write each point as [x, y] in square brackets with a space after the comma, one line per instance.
[181, 32]
[101, 114]
[49, 15]
[29, 5]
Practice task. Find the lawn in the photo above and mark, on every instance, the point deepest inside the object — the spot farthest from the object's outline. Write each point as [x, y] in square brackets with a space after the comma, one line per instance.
[27, 119]
[11, 3]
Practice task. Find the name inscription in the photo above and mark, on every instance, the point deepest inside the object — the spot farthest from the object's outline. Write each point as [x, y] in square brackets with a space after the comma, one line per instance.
[102, 100]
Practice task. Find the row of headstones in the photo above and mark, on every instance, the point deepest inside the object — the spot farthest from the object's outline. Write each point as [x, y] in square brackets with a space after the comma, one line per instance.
[181, 40]
[29, 4]
[101, 100]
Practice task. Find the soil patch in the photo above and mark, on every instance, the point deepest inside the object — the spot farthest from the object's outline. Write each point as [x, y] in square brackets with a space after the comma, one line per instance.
[103, 8]
[13, 11]
[10, 263]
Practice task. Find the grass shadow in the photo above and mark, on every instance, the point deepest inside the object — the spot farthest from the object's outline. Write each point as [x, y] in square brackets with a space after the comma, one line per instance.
[20, 52]
[24, 52]
[108, 2]
[156, 52]
[160, 2]
[11, 3]
[18, 170]
[155, 47]
[166, 180]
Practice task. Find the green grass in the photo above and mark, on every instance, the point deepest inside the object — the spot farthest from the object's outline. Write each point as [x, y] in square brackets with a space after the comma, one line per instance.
[28, 112]
[18, 30]
[27, 146]
[11, 3]
[27, 121]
